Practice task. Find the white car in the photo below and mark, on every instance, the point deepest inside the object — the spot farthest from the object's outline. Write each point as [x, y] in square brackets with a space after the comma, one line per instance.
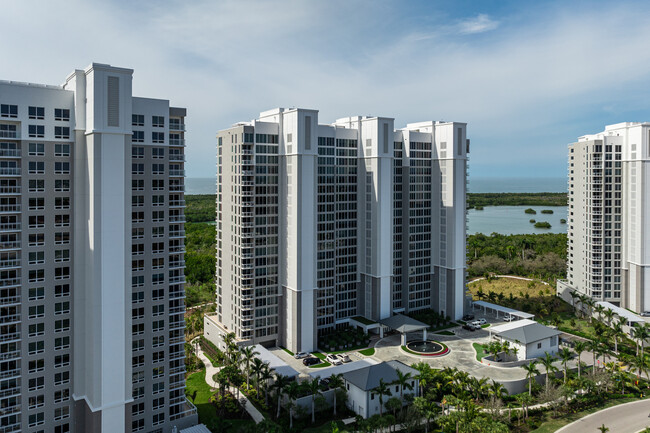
[482, 321]
[333, 359]
[509, 318]
[301, 355]
[345, 358]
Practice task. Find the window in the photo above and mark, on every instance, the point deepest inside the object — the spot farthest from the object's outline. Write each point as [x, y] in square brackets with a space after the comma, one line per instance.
[157, 342]
[157, 294]
[157, 310]
[36, 365]
[539, 345]
[158, 403]
[61, 378]
[62, 114]
[158, 279]
[158, 137]
[137, 152]
[36, 221]
[137, 409]
[36, 257]
[36, 185]
[36, 203]
[36, 383]
[61, 168]
[137, 265]
[36, 275]
[137, 200]
[36, 293]
[137, 425]
[158, 168]
[36, 401]
[62, 203]
[61, 290]
[137, 249]
[61, 238]
[137, 361]
[158, 121]
[37, 131]
[158, 247]
[158, 216]
[137, 184]
[36, 239]
[158, 325]
[61, 132]
[37, 418]
[137, 168]
[137, 281]
[61, 360]
[137, 233]
[158, 184]
[36, 167]
[158, 200]
[62, 307]
[61, 396]
[36, 112]
[61, 149]
[137, 137]
[62, 255]
[62, 185]
[36, 329]
[158, 152]
[61, 343]
[36, 149]
[8, 110]
[137, 119]
[158, 387]
[62, 220]
[137, 217]
[158, 418]
[157, 232]
[136, 346]
[62, 325]
[137, 329]
[61, 273]
[137, 297]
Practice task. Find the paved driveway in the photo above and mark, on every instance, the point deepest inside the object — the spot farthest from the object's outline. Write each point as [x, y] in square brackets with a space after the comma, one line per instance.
[625, 418]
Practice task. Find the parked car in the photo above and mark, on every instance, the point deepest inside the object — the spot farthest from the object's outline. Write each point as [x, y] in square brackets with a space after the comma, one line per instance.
[324, 383]
[469, 327]
[345, 358]
[301, 355]
[333, 359]
[646, 314]
[481, 321]
[312, 360]
[468, 317]
[509, 318]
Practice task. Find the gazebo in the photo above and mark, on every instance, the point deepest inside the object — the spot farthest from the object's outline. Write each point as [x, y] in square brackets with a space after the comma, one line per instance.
[404, 324]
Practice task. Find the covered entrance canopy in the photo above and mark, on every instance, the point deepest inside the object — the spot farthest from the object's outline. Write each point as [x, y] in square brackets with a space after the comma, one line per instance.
[498, 308]
[404, 324]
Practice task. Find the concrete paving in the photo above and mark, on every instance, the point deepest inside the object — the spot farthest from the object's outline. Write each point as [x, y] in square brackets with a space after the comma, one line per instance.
[625, 418]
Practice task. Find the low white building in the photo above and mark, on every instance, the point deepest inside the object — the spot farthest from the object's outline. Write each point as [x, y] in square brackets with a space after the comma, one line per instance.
[360, 383]
[531, 339]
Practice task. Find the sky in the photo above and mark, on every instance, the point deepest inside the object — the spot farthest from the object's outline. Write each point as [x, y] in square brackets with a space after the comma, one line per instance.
[527, 77]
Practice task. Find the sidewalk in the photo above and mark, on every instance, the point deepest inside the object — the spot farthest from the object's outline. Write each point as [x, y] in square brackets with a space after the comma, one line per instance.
[211, 370]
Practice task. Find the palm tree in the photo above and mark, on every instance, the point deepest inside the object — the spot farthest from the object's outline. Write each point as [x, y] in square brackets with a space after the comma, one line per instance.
[547, 362]
[617, 332]
[248, 353]
[497, 390]
[382, 390]
[531, 372]
[609, 315]
[594, 348]
[640, 334]
[404, 381]
[603, 429]
[256, 369]
[229, 342]
[336, 383]
[314, 389]
[292, 390]
[566, 355]
[600, 310]
[574, 295]
[579, 347]
[266, 374]
[279, 386]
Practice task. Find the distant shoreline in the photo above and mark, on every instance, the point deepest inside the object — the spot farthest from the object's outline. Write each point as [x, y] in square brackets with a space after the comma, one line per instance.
[516, 199]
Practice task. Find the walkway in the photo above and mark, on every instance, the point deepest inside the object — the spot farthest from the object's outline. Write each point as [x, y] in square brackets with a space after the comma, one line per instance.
[624, 418]
[211, 370]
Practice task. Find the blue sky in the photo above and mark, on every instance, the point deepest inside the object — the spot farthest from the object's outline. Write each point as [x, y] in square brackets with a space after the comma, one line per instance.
[527, 77]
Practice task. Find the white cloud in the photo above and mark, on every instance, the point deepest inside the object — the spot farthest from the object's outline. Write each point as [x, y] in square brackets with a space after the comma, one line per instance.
[479, 24]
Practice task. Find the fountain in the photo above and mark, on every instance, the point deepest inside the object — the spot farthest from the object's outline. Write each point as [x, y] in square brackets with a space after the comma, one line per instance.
[427, 348]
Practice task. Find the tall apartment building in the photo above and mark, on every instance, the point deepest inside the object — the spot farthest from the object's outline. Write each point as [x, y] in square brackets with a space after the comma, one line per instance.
[609, 216]
[91, 257]
[320, 223]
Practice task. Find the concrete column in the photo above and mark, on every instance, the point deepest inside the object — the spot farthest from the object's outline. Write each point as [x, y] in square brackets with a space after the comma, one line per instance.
[381, 331]
[424, 335]
[403, 335]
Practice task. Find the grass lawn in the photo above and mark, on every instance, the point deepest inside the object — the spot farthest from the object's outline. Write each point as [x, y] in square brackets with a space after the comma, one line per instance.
[485, 326]
[319, 355]
[480, 353]
[509, 286]
[321, 365]
[555, 424]
[363, 320]
[207, 413]
[287, 350]
[368, 352]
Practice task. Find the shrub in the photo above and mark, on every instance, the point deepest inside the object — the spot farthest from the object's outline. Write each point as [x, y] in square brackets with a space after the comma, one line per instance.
[530, 211]
[542, 225]
[532, 221]
[562, 221]
[547, 211]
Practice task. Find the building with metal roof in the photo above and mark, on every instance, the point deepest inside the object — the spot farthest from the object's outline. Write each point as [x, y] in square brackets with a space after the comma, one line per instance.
[529, 338]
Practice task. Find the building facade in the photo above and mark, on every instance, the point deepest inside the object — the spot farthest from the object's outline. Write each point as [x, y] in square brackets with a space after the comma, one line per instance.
[609, 213]
[91, 257]
[320, 223]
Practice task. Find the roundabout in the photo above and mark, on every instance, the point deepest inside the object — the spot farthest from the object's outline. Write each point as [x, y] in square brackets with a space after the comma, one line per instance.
[427, 348]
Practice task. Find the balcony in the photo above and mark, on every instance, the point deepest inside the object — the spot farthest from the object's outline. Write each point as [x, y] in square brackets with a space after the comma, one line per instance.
[10, 318]
[177, 370]
[9, 153]
[10, 355]
[177, 264]
[177, 279]
[9, 190]
[177, 188]
[177, 203]
[10, 245]
[177, 127]
[178, 294]
[177, 173]
[10, 227]
[176, 218]
[9, 300]
[173, 157]
[9, 134]
[177, 249]
[9, 392]
[7, 282]
[10, 171]
[9, 208]
[176, 355]
[10, 373]
[177, 325]
[190, 409]
[177, 142]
